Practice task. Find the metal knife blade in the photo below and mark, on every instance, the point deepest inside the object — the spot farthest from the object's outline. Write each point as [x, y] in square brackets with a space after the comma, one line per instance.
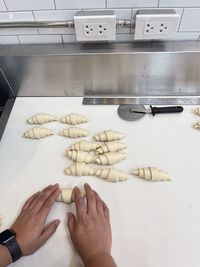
[142, 110]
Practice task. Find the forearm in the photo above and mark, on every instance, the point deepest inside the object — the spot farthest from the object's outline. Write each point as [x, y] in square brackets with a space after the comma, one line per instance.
[104, 260]
[5, 257]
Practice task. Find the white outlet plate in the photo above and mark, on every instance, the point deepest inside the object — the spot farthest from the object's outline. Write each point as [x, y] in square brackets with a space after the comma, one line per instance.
[156, 24]
[95, 25]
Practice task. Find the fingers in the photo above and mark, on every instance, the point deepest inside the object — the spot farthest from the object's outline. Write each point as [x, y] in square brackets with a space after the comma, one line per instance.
[95, 203]
[28, 202]
[91, 199]
[71, 223]
[39, 201]
[48, 231]
[102, 208]
[34, 200]
[80, 204]
[47, 205]
[99, 203]
[106, 211]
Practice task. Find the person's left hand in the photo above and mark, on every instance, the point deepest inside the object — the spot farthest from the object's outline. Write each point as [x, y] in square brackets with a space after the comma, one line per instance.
[31, 231]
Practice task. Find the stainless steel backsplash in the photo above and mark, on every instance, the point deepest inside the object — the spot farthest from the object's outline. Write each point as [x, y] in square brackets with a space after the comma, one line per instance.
[138, 69]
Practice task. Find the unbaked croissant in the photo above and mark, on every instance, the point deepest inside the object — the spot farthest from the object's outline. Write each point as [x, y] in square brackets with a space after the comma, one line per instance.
[41, 118]
[79, 169]
[197, 125]
[108, 135]
[80, 156]
[74, 118]
[109, 158]
[67, 196]
[74, 132]
[84, 146]
[152, 174]
[38, 132]
[110, 147]
[111, 175]
[197, 111]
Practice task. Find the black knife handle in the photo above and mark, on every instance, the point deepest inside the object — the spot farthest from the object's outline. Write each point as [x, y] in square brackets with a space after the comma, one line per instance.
[173, 109]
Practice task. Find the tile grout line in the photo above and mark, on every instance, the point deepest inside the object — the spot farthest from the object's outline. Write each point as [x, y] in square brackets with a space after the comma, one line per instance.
[45, 34]
[93, 8]
[179, 26]
[5, 5]
[189, 32]
[75, 9]
[54, 1]
[106, 3]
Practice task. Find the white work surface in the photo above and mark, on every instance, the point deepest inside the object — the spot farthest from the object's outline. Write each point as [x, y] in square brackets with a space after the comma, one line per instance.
[154, 224]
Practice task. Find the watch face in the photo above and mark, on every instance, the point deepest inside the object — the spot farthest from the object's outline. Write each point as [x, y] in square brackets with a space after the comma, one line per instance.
[6, 236]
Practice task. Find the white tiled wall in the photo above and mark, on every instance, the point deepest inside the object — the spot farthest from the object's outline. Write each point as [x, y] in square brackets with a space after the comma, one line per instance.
[131, 3]
[15, 5]
[56, 10]
[2, 6]
[79, 4]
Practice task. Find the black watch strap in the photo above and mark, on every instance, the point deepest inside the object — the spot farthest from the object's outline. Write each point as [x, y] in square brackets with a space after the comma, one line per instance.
[14, 249]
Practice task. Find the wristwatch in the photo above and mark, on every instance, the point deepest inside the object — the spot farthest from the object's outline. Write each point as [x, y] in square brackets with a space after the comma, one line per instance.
[8, 239]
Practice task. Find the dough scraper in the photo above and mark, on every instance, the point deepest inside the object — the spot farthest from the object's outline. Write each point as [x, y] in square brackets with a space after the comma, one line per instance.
[135, 112]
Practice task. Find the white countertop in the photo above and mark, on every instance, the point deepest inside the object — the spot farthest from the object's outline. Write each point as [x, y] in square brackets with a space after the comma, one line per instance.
[153, 224]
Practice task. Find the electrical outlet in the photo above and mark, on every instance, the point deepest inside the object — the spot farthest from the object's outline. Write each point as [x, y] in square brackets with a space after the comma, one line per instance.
[156, 28]
[156, 24]
[95, 29]
[95, 25]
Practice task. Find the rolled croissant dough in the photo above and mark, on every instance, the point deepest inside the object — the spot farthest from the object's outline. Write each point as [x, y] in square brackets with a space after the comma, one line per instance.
[66, 195]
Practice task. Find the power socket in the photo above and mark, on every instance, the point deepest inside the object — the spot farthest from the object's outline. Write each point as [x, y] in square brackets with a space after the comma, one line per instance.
[95, 25]
[156, 28]
[95, 29]
[156, 24]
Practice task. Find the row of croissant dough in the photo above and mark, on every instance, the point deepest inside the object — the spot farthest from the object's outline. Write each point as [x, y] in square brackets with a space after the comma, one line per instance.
[197, 124]
[72, 118]
[107, 153]
[109, 174]
[72, 132]
[42, 132]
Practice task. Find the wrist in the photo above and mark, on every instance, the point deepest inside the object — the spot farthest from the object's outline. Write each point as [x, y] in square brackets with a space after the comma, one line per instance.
[100, 259]
[5, 258]
[8, 240]
[19, 240]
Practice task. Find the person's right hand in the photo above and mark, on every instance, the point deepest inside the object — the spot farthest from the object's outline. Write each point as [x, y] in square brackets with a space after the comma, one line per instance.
[90, 231]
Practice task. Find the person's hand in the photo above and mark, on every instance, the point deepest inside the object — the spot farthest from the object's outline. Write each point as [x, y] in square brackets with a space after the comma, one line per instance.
[90, 231]
[31, 231]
